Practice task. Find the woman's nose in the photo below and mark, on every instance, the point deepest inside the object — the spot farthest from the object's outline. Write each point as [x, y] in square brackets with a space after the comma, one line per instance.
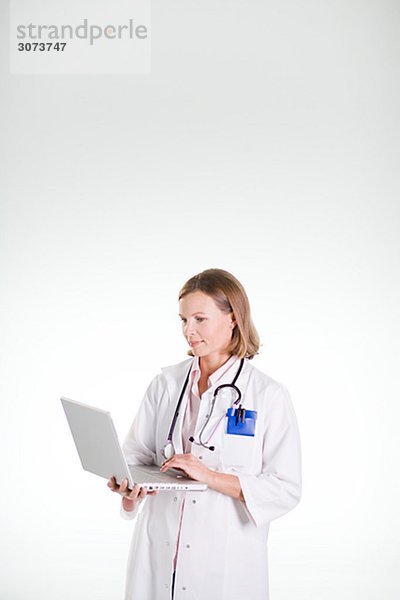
[190, 328]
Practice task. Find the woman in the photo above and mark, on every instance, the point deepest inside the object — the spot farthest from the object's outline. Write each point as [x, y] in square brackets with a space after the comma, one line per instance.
[211, 545]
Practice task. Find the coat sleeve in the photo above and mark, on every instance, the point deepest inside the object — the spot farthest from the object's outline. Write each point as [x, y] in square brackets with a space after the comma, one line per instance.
[278, 488]
[139, 446]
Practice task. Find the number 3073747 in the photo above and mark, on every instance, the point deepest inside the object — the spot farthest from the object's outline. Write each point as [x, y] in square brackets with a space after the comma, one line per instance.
[41, 46]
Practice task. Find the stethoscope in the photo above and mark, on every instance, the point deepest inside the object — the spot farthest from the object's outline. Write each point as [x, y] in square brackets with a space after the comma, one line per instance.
[168, 450]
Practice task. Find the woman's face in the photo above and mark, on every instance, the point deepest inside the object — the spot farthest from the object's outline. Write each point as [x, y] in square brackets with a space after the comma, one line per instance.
[206, 328]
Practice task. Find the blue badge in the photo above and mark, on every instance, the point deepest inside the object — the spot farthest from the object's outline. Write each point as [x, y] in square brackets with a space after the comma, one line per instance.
[241, 421]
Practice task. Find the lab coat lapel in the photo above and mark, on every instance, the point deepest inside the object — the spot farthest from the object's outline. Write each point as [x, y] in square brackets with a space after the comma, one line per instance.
[175, 380]
[177, 435]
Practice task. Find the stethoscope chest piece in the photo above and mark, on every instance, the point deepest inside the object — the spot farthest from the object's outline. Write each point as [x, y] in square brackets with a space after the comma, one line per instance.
[168, 451]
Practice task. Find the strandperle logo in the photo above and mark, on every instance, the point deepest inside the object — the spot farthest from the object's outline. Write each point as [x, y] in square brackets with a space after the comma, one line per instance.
[85, 31]
[80, 36]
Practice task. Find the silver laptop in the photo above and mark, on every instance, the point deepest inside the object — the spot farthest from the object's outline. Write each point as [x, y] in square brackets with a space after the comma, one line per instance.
[100, 452]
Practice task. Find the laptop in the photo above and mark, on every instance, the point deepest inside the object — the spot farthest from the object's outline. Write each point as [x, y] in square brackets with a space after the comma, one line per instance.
[100, 452]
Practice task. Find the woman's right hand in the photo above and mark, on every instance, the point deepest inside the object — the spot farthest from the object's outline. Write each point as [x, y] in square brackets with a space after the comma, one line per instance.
[130, 498]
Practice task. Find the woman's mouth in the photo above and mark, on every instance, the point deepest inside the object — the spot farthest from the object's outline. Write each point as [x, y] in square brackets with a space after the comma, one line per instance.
[194, 344]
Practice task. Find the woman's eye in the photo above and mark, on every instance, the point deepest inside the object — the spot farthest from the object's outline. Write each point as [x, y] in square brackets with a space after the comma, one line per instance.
[198, 320]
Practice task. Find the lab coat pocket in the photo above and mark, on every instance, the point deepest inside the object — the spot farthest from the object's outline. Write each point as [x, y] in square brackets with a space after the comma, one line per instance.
[238, 450]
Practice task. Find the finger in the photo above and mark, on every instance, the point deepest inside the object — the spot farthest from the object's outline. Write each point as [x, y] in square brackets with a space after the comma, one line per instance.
[133, 494]
[174, 457]
[112, 484]
[124, 486]
[143, 492]
[146, 492]
[172, 464]
[171, 461]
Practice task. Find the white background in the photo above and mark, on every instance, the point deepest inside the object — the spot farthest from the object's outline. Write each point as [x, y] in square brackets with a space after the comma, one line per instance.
[266, 142]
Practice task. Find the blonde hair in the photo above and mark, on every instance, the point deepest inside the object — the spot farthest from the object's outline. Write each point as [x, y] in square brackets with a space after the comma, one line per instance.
[230, 297]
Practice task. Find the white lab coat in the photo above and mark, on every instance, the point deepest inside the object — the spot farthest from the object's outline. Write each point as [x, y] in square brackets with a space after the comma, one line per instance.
[223, 542]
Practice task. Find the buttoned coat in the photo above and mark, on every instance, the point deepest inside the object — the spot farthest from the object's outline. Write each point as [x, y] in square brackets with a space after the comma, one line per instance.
[223, 541]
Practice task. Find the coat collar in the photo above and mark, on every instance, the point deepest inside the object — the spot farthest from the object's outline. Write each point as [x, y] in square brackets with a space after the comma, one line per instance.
[219, 373]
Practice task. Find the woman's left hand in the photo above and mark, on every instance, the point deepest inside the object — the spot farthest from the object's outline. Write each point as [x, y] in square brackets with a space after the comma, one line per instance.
[190, 464]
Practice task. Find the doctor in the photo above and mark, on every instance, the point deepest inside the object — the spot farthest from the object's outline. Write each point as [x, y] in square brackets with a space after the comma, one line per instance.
[236, 431]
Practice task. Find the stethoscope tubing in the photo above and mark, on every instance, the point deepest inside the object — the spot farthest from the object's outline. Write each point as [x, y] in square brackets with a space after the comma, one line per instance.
[176, 414]
[216, 392]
